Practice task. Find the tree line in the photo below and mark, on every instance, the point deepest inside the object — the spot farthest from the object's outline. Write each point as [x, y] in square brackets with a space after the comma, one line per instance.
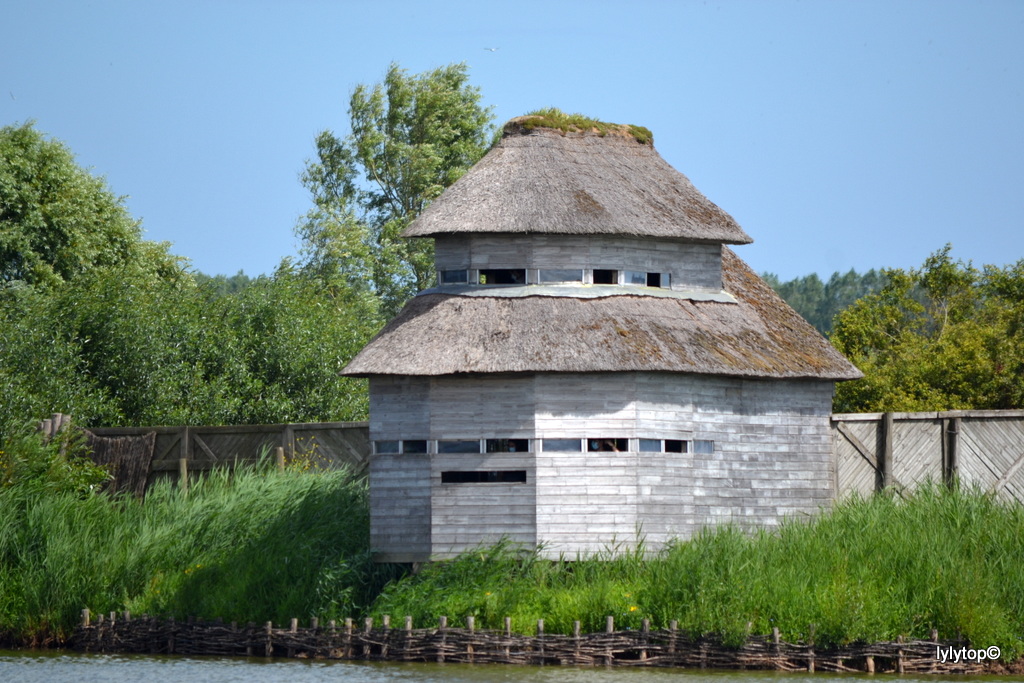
[97, 322]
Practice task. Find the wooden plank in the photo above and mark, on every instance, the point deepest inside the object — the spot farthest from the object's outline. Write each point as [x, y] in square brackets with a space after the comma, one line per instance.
[202, 446]
[858, 446]
[1009, 473]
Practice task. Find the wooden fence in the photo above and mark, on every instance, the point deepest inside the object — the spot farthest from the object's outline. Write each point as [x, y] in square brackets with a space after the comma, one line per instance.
[983, 448]
[643, 647]
[184, 449]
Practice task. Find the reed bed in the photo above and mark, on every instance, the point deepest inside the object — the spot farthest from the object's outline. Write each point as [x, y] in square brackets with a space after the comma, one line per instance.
[250, 545]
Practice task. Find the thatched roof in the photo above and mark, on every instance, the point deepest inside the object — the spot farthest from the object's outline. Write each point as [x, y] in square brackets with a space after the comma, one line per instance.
[542, 180]
[760, 336]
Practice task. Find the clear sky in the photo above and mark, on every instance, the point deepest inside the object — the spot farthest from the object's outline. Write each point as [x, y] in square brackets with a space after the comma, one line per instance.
[839, 134]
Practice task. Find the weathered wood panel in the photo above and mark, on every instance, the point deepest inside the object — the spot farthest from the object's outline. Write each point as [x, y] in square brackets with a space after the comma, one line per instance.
[984, 448]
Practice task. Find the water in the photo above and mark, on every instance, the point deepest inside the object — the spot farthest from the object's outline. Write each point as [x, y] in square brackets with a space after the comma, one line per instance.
[53, 666]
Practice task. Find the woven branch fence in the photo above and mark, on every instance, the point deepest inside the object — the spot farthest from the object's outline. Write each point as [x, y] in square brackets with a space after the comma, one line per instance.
[369, 642]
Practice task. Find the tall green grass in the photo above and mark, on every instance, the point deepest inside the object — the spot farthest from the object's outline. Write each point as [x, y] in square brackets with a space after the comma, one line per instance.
[248, 546]
[868, 570]
[258, 545]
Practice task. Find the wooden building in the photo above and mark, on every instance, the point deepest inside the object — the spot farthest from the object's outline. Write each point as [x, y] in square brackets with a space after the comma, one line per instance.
[594, 366]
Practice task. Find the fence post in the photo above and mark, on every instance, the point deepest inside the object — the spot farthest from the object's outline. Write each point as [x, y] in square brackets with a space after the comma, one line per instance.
[183, 476]
[442, 626]
[279, 458]
[952, 464]
[887, 434]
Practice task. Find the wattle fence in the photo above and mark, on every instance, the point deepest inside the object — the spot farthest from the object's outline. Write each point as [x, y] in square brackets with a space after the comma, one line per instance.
[645, 647]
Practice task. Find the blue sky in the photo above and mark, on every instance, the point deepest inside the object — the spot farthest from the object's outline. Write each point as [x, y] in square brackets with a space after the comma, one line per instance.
[839, 134]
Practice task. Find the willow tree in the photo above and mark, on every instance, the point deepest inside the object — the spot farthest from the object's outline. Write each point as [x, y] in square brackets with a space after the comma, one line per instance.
[58, 220]
[412, 135]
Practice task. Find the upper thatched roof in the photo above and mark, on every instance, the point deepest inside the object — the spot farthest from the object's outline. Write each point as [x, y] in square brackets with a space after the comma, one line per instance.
[582, 183]
[760, 336]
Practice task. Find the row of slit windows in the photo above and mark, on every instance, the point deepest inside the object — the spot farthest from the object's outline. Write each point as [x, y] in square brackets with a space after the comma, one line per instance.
[523, 276]
[593, 445]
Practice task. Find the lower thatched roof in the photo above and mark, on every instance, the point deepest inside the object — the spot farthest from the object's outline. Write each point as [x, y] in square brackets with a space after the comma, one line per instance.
[760, 336]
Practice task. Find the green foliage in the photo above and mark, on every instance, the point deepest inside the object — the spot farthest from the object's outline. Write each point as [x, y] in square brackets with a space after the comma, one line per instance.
[137, 340]
[30, 465]
[819, 302]
[945, 336]
[57, 220]
[868, 570]
[222, 285]
[411, 137]
[248, 546]
[556, 119]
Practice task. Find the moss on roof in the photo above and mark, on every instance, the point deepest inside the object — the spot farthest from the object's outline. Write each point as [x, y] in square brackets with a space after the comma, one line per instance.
[556, 119]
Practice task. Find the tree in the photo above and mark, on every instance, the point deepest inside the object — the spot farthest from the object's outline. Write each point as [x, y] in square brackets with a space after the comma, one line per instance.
[819, 302]
[411, 137]
[57, 220]
[945, 336]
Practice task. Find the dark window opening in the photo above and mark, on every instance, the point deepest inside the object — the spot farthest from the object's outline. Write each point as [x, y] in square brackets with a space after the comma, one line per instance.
[654, 279]
[675, 446]
[556, 445]
[414, 446]
[458, 446]
[503, 276]
[488, 477]
[508, 445]
[607, 445]
[386, 446]
[454, 277]
[606, 277]
[560, 275]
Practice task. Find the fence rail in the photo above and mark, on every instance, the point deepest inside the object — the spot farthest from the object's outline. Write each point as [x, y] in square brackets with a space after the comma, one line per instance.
[645, 647]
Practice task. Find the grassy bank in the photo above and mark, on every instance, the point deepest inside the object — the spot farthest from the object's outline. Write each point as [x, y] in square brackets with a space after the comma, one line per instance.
[262, 545]
[255, 545]
[869, 570]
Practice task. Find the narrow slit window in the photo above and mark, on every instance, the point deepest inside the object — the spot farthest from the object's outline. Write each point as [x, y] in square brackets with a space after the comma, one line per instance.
[503, 276]
[606, 277]
[561, 275]
[703, 446]
[458, 446]
[454, 277]
[650, 445]
[607, 445]
[636, 277]
[675, 446]
[484, 477]
[414, 446]
[386, 447]
[567, 445]
[508, 445]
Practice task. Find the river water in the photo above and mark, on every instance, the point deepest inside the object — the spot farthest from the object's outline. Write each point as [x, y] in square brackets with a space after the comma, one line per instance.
[54, 666]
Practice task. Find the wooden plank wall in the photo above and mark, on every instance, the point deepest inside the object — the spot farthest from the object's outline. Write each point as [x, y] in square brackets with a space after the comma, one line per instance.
[321, 444]
[984, 448]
